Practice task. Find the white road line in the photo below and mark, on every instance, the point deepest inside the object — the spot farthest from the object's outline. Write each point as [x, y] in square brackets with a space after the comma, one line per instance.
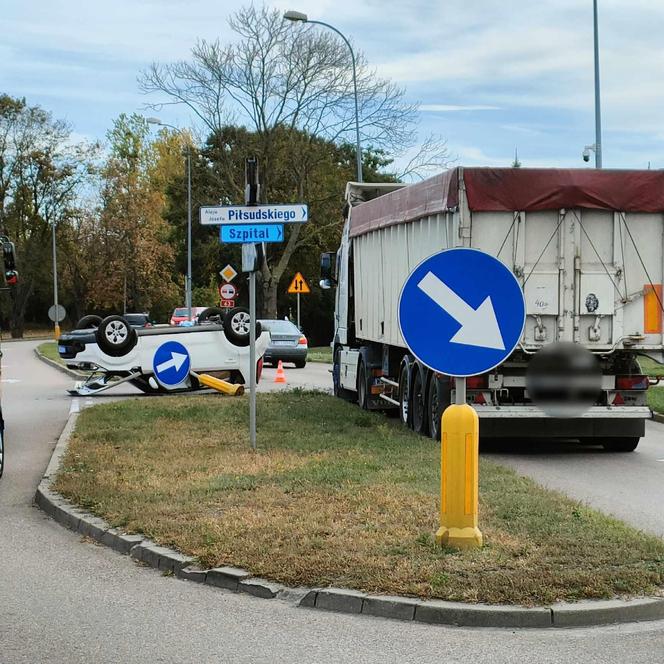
[75, 406]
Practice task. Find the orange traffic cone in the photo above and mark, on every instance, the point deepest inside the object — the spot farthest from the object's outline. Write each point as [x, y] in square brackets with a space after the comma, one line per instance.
[280, 376]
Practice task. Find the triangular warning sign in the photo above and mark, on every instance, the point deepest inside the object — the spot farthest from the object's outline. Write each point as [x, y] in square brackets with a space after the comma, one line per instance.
[299, 284]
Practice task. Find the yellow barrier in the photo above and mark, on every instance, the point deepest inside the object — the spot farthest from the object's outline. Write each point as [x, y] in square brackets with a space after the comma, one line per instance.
[459, 478]
[219, 385]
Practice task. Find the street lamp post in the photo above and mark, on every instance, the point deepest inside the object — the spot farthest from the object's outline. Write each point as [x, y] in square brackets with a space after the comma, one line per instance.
[56, 323]
[598, 110]
[303, 18]
[187, 296]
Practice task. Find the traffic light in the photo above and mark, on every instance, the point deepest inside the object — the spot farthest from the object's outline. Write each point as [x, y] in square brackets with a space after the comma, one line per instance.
[9, 258]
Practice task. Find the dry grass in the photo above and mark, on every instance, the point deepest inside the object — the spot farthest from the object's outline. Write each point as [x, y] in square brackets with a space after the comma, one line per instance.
[337, 496]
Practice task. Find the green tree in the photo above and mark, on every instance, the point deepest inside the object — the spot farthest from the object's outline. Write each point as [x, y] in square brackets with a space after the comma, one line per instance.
[290, 91]
[128, 243]
[42, 174]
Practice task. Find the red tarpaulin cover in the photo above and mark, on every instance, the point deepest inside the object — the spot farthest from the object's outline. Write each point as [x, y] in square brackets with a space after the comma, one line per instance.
[515, 189]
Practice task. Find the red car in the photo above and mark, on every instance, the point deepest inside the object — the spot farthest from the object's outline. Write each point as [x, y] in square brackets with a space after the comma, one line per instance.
[180, 314]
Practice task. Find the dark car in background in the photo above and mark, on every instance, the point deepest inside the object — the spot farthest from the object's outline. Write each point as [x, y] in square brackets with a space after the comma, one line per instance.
[287, 343]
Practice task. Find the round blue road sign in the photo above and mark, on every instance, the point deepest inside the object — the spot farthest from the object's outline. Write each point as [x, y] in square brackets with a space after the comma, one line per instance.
[171, 364]
[461, 312]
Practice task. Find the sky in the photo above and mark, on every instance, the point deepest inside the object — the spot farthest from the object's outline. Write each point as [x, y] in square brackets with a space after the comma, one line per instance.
[491, 77]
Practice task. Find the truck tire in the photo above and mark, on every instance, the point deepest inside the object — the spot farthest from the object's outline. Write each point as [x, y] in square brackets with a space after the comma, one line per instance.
[404, 394]
[115, 336]
[418, 401]
[87, 322]
[439, 397]
[210, 314]
[237, 326]
[362, 387]
[627, 444]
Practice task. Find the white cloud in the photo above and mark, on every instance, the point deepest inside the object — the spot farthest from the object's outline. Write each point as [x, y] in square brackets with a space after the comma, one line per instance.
[453, 108]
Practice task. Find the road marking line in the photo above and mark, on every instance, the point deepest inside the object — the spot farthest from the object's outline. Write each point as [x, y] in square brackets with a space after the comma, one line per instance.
[74, 407]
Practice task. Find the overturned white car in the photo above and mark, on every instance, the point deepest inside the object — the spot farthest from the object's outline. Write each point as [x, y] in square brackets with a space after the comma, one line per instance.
[162, 358]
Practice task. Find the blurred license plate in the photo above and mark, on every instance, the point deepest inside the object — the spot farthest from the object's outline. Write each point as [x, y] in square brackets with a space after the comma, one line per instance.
[62, 349]
[282, 343]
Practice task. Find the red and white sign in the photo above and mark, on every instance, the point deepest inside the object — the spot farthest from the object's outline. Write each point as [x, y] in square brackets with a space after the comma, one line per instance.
[227, 291]
[227, 304]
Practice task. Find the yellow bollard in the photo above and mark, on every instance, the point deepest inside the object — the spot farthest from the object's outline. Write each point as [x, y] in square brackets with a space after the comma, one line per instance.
[219, 385]
[459, 478]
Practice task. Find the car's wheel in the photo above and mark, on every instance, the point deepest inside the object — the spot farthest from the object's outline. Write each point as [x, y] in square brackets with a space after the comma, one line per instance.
[418, 402]
[300, 364]
[87, 322]
[237, 326]
[362, 387]
[211, 315]
[628, 444]
[404, 394]
[115, 336]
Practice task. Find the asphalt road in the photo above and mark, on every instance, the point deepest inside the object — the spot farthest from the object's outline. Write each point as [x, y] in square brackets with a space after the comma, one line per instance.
[628, 485]
[69, 602]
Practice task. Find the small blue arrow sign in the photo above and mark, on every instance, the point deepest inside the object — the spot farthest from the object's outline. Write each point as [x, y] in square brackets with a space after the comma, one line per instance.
[171, 363]
[461, 312]
[245, 233]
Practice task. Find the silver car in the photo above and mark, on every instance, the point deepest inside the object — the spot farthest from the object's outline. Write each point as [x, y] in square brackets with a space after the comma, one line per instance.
[287, 343]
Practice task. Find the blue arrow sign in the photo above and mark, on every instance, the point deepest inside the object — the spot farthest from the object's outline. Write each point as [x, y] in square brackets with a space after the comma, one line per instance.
[296, 213]
[461, 312]
[171, 364]
[252, 233]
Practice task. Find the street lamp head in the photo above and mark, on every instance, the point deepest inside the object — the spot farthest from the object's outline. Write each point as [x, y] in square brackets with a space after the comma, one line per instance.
[295, 16]
[155, 121]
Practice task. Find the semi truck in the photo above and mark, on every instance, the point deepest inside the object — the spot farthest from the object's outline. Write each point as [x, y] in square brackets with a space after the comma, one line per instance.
[587, 247]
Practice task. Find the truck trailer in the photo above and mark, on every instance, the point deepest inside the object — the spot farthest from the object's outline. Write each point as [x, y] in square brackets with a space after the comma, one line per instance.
[587, 247]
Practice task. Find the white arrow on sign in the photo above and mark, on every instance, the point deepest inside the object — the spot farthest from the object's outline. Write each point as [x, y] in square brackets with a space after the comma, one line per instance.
[176, 361]
[479, 327]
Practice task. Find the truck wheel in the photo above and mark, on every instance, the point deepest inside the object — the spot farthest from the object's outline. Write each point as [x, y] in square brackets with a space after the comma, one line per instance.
[87, 322]
[438, 400]
[628, 444]
[115, 336]
[362, 387]
[420, 417]
[211, 315]
[237, 326]
[404, 394]
[433, 408]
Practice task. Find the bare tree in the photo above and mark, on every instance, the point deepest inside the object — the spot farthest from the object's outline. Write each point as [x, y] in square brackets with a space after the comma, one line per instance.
[280, 75]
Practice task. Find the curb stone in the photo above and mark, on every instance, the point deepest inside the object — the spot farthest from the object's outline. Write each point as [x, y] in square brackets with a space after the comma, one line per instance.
[579, 614]
[658, 417]
[56, 365]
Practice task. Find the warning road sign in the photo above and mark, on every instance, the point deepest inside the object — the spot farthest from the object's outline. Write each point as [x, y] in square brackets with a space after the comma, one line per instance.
[299, 285]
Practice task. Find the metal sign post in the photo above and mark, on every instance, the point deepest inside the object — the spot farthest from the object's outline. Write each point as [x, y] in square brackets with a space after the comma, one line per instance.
[461, 327]
[251, 253]
[252, 360]
[299, 286]
[248, 225]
